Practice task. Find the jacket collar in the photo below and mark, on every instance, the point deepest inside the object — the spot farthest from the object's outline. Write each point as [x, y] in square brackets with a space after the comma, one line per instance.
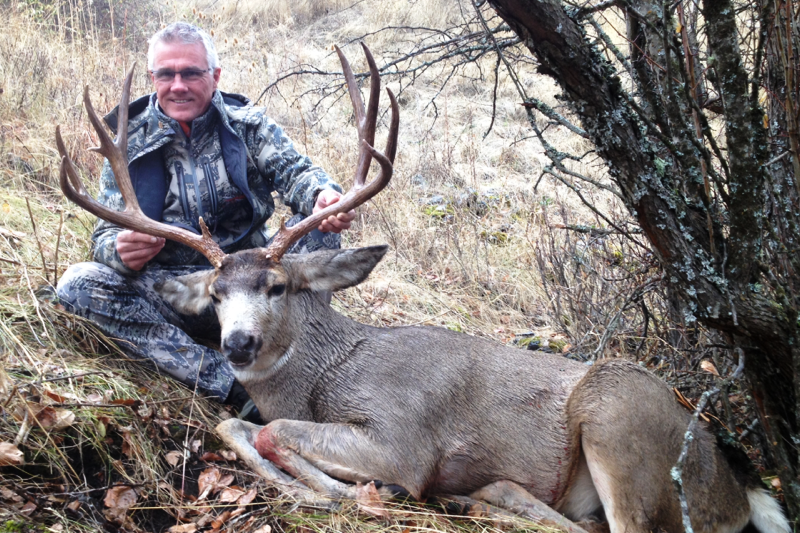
[149, 129]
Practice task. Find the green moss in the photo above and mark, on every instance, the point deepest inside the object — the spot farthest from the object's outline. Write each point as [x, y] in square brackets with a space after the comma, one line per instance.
[439, 211]
[495, 237]
[15, 526]
[557, 345]
[527, 341]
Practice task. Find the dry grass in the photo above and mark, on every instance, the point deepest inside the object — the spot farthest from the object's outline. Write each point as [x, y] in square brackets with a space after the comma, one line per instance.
[474, 248]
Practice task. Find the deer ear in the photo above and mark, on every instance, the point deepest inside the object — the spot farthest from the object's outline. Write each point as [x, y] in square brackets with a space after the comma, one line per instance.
[331, 270]
[188, 294]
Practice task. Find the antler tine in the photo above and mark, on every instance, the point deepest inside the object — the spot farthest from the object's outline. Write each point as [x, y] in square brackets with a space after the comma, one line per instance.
[115, 152]
[132, 216]
[365, 121]
[357, 195]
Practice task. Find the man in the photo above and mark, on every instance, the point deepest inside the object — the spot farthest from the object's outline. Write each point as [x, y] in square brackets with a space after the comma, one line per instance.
[193, 151]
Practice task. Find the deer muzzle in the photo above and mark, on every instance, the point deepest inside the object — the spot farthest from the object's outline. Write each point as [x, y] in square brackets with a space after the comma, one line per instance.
[241, 347]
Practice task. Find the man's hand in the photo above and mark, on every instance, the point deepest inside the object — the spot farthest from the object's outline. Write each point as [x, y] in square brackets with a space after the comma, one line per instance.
[136, 249]
[336, 223]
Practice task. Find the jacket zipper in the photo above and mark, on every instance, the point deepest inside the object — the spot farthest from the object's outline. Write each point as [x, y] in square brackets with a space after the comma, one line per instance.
[212, 193]
[182, 191]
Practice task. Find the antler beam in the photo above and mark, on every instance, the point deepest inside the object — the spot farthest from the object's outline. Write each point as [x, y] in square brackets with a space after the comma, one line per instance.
[365, 123]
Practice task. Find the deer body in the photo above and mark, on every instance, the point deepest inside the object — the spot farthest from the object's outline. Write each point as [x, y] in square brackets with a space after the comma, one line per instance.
[438, 412]
[399, 387]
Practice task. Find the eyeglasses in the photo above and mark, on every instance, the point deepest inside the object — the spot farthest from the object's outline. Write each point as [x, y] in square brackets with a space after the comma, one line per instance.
[164, 75]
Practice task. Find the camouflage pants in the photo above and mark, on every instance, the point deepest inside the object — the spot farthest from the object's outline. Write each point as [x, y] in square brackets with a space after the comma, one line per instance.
[128, 310]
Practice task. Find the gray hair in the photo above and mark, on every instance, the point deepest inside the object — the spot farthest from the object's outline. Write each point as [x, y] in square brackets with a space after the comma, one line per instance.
[185, 33]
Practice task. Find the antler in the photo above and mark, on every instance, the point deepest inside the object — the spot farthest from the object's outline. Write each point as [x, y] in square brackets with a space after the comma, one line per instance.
[132, 216]
[365, 123]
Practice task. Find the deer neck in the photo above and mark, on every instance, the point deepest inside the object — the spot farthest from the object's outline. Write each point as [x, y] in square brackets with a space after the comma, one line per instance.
[316, 339]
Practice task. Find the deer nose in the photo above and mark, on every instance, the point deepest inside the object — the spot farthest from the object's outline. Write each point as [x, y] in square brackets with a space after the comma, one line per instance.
[241, 347]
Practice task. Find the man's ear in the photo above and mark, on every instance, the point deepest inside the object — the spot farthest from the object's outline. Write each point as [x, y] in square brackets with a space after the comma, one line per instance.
[188, 294]
[331, 270]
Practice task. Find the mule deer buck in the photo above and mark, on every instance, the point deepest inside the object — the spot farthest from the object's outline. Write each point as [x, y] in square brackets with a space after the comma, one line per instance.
[426, 409]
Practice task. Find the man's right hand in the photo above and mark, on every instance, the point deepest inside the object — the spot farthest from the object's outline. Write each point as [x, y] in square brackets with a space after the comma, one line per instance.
[136, 249]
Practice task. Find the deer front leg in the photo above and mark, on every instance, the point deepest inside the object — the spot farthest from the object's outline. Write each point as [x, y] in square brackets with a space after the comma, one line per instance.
[313, 452]
[240, 436]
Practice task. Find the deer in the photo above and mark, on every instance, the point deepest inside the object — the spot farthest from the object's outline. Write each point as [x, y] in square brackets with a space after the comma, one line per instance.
[424, 411]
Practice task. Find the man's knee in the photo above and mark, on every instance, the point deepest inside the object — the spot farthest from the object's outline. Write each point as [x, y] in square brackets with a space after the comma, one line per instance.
[80, 285]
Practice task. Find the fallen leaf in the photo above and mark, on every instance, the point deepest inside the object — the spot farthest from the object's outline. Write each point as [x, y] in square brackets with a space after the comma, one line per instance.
[195, 445]
[183, 528]
[8, 494]
[230, 495]
[221, 519]
[173, 458]
[211, 456]
[94, 398]
[10, 455]
[74, 505]
[776, 483]
[226, 480]
[207, 481]
[118, 500]
[127, 443]
[369, 501]
[53, 396]
[28, 508]
[126, 401]
[52, 418]
[264, 529]
[248, 496]
[709, 367]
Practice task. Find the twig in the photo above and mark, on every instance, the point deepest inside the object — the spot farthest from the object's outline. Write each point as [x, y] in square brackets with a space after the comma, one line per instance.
[58, 243]
[594, 232]
[776, 159]
[749, 429]
[186, 439]
[38, 242]
[688, 437]
[552, 114]
[611, 327]
[582, 12]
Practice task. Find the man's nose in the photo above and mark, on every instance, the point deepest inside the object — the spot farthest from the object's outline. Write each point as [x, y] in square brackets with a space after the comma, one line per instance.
[177, 83]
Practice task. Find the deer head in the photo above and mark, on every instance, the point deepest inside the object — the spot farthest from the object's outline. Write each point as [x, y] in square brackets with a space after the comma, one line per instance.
[250, 289]
[268, 291]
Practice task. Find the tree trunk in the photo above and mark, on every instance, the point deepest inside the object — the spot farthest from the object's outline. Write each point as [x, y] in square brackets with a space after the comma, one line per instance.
[716, 249]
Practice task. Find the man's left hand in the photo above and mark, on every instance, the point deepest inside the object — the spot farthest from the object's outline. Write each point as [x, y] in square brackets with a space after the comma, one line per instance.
[333, 223]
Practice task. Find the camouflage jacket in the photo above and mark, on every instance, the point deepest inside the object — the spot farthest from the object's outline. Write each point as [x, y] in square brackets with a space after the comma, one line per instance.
[225, 171]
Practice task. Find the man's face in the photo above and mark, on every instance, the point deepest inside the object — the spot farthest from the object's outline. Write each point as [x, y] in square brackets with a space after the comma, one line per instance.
[182, 99]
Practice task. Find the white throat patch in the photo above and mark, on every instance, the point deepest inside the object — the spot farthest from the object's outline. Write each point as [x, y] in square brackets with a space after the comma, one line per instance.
[260, 374]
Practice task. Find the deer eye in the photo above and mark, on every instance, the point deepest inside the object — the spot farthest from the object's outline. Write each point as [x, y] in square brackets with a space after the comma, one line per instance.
[276, 290]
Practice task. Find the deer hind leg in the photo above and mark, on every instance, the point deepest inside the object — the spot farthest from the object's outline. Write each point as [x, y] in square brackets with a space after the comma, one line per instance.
[316, 453]
[631, 432]
[513, 497]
